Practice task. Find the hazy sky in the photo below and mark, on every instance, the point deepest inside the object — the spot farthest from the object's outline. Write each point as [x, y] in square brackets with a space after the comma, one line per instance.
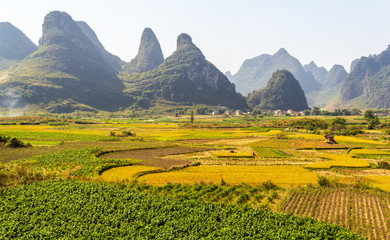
[228, 32]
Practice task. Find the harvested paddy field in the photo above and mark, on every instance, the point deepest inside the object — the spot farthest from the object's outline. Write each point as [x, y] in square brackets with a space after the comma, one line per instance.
[153, 157]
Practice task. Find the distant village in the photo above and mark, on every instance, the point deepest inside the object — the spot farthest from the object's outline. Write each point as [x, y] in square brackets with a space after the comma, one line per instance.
[268, 112]
[290, 112]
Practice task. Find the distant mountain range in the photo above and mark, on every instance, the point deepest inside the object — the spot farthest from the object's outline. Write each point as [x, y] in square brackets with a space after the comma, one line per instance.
[254, 73]
[71, 70]
[319, 73]
[331, 88]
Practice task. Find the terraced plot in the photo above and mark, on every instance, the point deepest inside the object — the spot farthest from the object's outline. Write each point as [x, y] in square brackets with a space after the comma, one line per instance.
[152, 157]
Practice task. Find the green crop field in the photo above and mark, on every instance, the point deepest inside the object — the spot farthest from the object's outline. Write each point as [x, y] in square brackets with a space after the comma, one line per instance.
[229, 173]
[69, 209]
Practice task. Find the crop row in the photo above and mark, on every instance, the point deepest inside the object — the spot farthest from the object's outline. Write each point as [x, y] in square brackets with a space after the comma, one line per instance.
[362, 211]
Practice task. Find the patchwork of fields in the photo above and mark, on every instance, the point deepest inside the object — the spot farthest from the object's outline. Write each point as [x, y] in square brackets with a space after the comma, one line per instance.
[212, 153]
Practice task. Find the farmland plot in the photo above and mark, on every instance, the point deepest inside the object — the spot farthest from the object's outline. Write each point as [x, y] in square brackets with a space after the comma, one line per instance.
[365, 212]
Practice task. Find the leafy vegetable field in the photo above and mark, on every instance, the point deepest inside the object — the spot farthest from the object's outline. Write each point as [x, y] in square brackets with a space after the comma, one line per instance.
[69, 209]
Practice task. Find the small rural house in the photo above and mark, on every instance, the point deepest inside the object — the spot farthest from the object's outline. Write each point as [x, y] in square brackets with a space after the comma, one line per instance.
[238, 113]
[329, 138]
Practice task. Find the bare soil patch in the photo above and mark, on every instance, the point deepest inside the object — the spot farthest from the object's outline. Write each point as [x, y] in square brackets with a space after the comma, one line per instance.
[154, 157]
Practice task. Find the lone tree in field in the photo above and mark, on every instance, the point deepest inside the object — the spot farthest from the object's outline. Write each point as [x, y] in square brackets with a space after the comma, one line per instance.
[372, 120]
[192, 117]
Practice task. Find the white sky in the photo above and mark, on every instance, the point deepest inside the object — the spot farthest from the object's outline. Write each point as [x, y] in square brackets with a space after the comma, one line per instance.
[228, 32]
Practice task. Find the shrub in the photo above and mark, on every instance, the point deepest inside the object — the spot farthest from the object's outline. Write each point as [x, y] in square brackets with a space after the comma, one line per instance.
[4, 139]
[15, 143]
[324, 181]
[243, 198]
[128, 133]
[384, 165]
[309, 123]
[269, 185]
[223, 183]
[281, 136]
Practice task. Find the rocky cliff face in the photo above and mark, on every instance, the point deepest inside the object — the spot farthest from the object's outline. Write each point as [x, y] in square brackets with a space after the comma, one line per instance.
[283, 92]
[353, 64]
[368, 85]
[319, 73]
[186, 76]
[149, 54]
[60, 29]
[254, 73]
[335, 76]
[113, 61]
[67, 67]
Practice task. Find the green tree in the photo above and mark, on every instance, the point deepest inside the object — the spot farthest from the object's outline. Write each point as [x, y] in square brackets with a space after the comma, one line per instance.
[355, 111]
[192, 117]
[369, 115]
[315, 111]
[338, 120]
[306, 112]
[338, 124]
[372, 120]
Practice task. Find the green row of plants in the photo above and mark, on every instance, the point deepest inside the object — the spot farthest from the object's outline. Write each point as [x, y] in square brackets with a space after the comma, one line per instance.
[69, 209]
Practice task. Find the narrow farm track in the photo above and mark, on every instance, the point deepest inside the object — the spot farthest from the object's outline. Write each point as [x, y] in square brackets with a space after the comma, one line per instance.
[362, 211]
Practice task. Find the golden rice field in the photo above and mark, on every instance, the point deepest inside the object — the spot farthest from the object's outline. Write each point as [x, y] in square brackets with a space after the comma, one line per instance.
[126, 173]
[382, 182]
[286, 176]
[339, 139]
[293, 143]
[338, 160]
[369, 152]
[241, 152]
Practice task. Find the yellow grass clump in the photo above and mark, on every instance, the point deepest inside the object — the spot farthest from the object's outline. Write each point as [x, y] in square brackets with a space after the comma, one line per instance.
[337, 138]
[382, 182]
[234, 142]
[306, 136]
[121, 174]
[339, 160]
[284, 176]
[369, 152]
[357, 140]
[269, 133]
